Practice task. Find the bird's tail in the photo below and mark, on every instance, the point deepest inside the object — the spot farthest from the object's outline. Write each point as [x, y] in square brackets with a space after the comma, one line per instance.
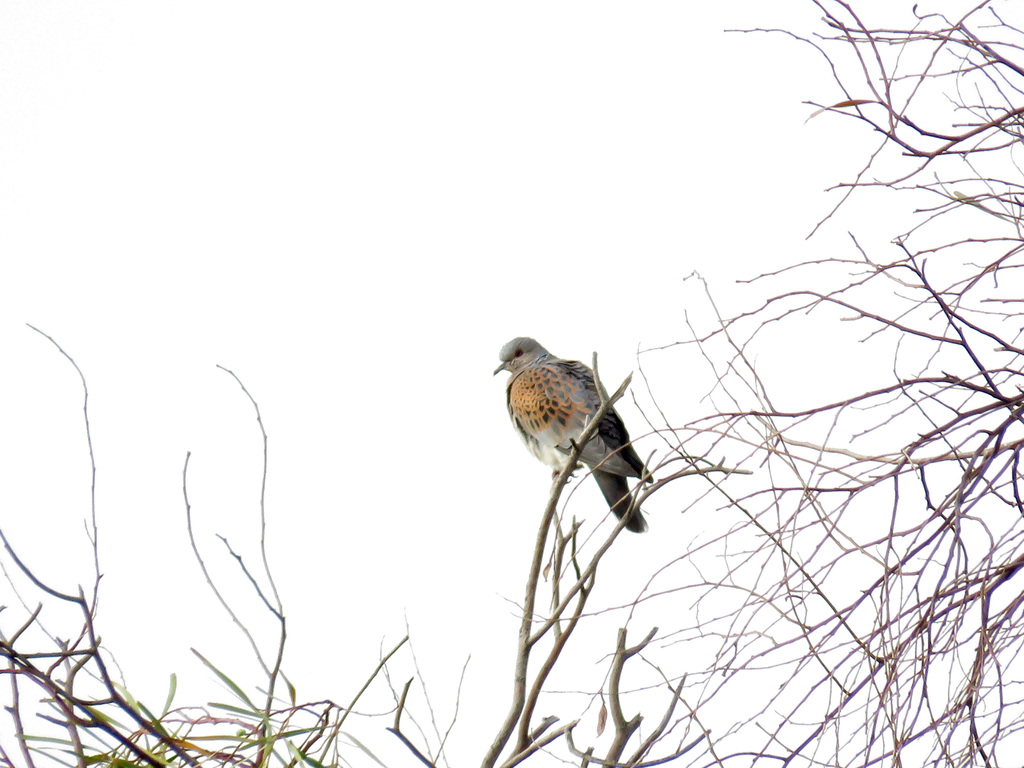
[616, 491]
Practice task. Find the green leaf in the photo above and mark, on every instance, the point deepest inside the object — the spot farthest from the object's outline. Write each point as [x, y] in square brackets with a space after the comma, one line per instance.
[291, 690]
[126, 694]
[228, 682]
[242, 713]
[170, 695]
[363, 747]
[298, 753]
[973, 202]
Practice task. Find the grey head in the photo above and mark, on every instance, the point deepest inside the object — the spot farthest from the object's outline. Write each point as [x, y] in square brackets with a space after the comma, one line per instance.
[519, 353]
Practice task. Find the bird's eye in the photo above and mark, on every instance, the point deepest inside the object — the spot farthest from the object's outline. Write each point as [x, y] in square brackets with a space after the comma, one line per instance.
[519, 353]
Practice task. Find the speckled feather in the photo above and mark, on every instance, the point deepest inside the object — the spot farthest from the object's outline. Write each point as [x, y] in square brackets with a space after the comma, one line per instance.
[550, 402]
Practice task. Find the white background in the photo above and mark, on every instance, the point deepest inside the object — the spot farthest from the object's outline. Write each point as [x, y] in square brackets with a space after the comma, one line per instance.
[353, 206]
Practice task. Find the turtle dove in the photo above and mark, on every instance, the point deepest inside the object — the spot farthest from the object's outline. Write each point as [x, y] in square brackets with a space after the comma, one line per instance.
[550, 401]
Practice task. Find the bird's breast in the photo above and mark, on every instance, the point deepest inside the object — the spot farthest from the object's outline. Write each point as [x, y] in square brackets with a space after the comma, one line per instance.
[546, 407]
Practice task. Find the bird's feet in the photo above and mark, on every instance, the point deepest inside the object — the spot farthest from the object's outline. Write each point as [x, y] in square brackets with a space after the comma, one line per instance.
[556, 472]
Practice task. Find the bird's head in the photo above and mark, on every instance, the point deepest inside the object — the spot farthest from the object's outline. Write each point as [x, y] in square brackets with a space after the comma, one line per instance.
[518, 353]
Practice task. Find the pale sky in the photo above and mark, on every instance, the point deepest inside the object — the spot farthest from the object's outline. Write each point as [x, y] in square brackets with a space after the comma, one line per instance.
[353, 206]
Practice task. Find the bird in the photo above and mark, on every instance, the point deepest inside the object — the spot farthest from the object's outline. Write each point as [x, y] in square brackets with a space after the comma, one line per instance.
[550, 402]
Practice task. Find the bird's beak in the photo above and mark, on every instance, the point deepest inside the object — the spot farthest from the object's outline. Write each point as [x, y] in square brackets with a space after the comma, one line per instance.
[500, 368]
